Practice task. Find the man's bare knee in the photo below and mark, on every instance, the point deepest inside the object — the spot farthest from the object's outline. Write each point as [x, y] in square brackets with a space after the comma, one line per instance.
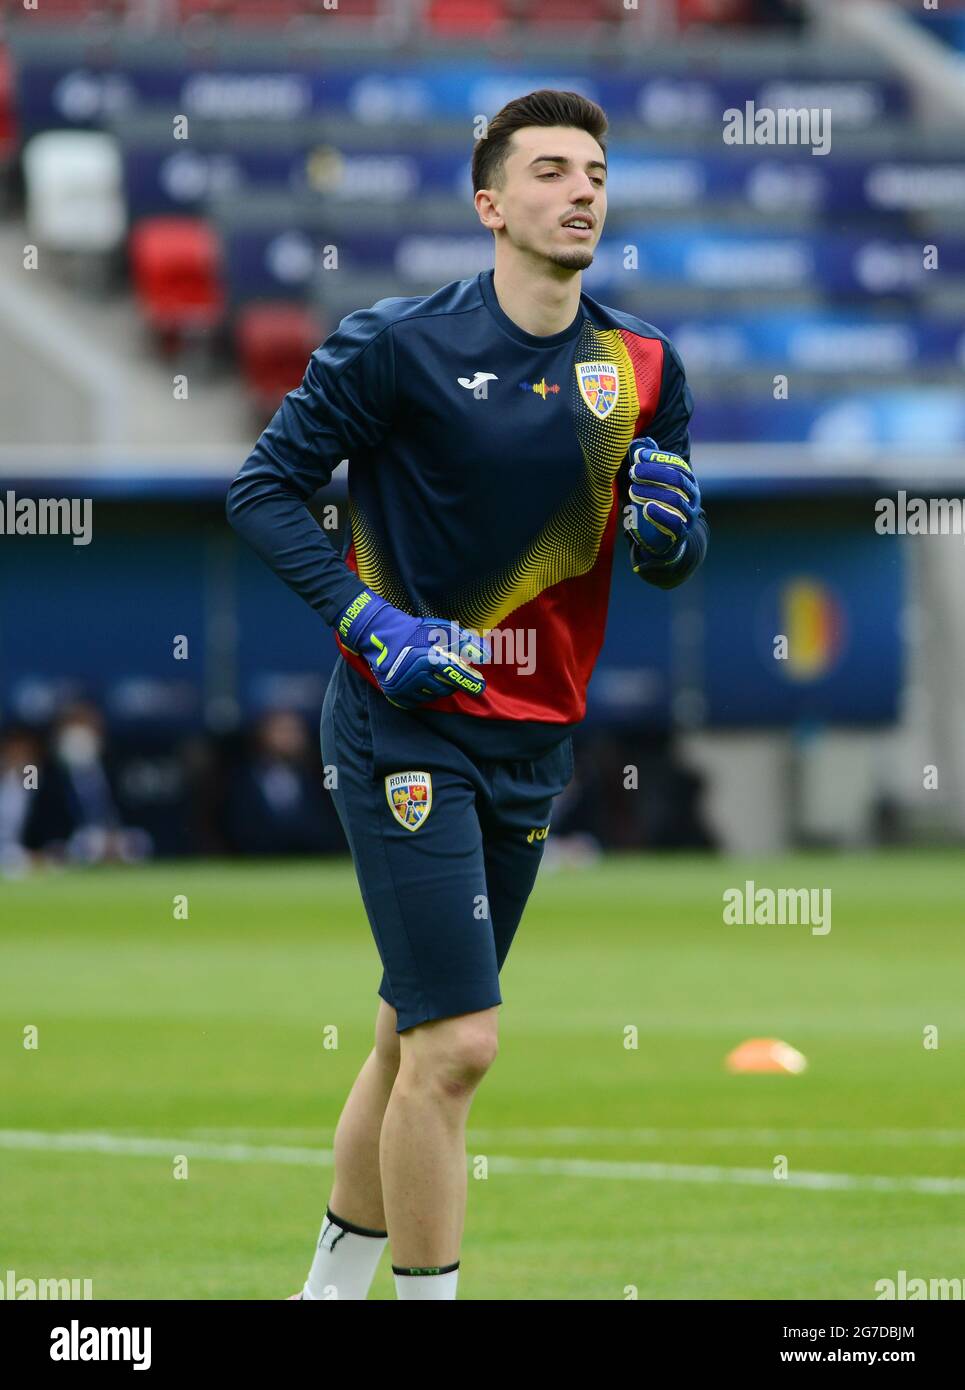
[387, 1046]
[451, 1053]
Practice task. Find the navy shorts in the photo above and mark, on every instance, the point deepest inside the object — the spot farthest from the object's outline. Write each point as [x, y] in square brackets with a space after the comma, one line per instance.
[446, 847]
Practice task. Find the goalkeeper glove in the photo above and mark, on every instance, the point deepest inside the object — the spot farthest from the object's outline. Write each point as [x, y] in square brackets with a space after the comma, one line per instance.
[665, 503]
[414, 660]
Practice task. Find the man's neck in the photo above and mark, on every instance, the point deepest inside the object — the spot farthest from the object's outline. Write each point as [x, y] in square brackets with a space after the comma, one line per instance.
[541, 304]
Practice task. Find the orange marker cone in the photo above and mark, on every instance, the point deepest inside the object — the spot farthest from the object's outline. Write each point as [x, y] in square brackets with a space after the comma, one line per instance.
[766, 1054]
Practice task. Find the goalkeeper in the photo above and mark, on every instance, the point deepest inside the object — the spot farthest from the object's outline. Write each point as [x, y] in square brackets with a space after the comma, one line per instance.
[501, 433]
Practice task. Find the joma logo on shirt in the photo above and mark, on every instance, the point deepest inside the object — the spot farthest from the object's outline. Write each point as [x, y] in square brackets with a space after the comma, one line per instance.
[538, 834]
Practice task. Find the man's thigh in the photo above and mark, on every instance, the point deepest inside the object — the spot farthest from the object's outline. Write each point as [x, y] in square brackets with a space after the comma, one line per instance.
[407, 802]
[516, 825]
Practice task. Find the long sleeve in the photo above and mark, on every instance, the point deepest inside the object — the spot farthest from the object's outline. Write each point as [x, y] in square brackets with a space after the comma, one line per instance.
[669, 576]
[344, 403]
[670, 427]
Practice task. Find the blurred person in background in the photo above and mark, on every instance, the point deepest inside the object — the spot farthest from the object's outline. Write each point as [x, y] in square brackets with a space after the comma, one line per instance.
[76, 817]
[21, 753]
[277, 802]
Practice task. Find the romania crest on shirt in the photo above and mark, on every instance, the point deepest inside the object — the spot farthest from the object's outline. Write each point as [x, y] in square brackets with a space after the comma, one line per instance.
[409, 795]
[599, 386]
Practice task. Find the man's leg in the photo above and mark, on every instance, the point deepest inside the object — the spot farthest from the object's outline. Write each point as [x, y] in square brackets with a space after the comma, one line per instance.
[423, 1142]
[423, 1148]
[353, 1234]
[422, 881]
[357, 1189]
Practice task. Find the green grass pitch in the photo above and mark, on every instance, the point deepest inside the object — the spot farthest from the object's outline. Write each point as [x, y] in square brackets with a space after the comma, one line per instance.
[610, 1168]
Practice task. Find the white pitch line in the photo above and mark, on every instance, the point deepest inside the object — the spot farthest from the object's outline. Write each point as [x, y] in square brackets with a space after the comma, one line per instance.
[954, 1138]
[570, 1135]
[40, 1140]
[143, 1147]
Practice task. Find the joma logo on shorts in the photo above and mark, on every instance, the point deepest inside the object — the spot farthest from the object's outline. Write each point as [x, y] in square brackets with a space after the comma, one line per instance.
[539, 834]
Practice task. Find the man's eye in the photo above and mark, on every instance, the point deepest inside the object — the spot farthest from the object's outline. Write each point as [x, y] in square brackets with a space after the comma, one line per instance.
[550, 174]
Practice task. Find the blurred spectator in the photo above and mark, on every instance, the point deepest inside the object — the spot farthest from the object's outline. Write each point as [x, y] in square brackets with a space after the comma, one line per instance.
[75, 816]
[269, 797]
[278, 803]
[21, 751]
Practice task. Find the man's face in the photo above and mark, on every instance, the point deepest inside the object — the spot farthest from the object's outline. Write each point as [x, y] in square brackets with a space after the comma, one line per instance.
[553, 176]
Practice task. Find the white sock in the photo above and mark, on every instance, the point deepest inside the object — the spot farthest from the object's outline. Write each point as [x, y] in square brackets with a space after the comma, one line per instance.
[426, 1284]
[345, 1260]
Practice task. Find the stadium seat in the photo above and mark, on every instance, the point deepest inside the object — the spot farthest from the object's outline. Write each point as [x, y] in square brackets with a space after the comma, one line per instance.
[466, 16]
[713, 12]
[274, 342]
[8, 123]
[175, 266]
[74, 192]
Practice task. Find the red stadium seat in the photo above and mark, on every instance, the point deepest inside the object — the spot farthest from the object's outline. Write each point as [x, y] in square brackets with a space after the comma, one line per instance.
[175, 270]
[8, 124]
[466, 16]
[713, 12]
[274, 342]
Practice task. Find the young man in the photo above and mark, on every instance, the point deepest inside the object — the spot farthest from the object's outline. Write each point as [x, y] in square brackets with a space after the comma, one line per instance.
[495, 431]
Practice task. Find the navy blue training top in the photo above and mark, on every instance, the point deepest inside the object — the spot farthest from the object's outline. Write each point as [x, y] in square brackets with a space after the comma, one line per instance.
[486, 484]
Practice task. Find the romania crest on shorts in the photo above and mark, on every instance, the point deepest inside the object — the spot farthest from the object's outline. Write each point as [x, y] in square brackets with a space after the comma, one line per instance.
[599, 386]
[409, 795]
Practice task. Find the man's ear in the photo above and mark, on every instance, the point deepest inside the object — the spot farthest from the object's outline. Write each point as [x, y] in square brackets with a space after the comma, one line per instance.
[489, 213]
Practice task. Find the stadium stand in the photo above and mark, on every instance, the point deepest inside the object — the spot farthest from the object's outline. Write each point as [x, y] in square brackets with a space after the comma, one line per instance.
[325, 165]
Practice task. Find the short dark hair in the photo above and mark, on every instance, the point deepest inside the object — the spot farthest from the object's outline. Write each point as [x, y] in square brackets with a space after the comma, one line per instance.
[545, 107]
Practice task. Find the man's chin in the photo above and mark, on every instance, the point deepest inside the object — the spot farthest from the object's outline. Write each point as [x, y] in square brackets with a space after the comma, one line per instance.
[571, 260]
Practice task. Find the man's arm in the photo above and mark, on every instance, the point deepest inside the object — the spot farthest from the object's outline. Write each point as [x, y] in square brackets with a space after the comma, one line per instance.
[668, 576]
[670, 427]
[345, 403]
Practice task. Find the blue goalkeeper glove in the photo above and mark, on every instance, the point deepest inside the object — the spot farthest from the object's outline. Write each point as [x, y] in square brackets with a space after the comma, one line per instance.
[665, 503]
[414, 660]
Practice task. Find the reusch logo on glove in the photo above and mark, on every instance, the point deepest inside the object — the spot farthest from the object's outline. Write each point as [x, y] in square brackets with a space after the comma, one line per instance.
[470, 683]
[409, 795]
